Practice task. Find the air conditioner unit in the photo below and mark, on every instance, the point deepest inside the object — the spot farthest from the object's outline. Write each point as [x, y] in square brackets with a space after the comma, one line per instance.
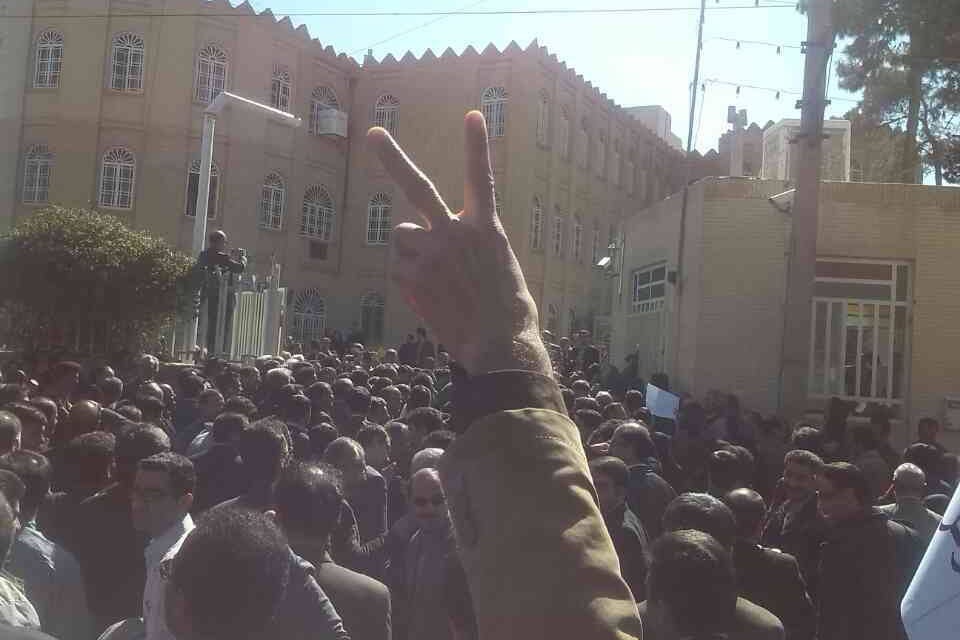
[331, 122]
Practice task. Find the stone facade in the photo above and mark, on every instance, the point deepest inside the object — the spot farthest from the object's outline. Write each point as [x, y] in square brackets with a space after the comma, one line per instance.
[725, 331]
[564, 145]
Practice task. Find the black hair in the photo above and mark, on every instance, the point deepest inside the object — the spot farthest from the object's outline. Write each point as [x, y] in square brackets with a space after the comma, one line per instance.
[358, 399]
[748, 510]
[420, 396]
[633, 400]
[151, 407]
[130, 412]
[425, 420]
[590, 420]
[34, 471]
[111, 386]
[613, 468]
[864, 437]
[586, 402]
[87, 459]
[242, 405]
[191, 386]
[372, 434]
[297, 407]
[308, 499]
[63, 369]
[726, 470]
[804, 457]
[136, 444]
[8, 527]
[11, 486]
[439, 439]
[232, 573]
[227, 426]
[692, 574]
[359, 378]
[702, 512]
[179, 469]
[321, 435]
[808, 438]
[843, 475]
[638, 438]
[264, 450]
[27, 413]
[614, 410]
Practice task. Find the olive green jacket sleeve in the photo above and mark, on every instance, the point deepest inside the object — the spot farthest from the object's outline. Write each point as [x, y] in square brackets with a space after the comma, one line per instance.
[538, 558]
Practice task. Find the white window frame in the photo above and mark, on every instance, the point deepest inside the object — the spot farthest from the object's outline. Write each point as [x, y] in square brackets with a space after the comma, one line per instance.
[118, 175]
[379, 216]
[273, 196]
[48, 60]
[386, 113]
[648, 289]
[309, 315]
[322, 99]
[881, 386]
[493, 105]
[319, 214]
[543, 119]
[213, 66]
[126, 63]
[372, 312]
[556, 235]
[280, 87]
[37, 167]
[564, 134]
[577, 248]
[536, 224]
[213, 201]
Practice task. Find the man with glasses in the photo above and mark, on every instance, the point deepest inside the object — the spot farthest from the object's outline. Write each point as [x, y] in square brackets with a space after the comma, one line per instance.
[161, 499]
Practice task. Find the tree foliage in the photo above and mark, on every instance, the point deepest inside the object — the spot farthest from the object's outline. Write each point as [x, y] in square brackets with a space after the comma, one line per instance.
[81, 277]
[905, 57]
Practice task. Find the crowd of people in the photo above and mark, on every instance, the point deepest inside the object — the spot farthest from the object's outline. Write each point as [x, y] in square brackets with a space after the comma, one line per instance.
[518, 490]
[330, 461]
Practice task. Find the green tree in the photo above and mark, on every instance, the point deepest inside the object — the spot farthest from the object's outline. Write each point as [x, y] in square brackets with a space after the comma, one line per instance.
[903, 55]
[79, 278]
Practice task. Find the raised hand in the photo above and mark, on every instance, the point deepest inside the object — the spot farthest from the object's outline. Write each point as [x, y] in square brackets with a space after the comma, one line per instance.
[458, 271]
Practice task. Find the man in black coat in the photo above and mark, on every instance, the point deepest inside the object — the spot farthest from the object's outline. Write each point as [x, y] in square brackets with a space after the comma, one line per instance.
[648, 494]
[766, 576]
[308, 500]
[629, 539]
[220, 472]
[866, 562]
[795, 525]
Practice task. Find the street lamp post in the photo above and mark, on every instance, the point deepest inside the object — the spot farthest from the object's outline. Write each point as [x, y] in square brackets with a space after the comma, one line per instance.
[206, 163]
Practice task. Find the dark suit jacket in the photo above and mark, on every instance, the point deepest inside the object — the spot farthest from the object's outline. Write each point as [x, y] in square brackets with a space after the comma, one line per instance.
[220, 476]
[648, 496]
[362, 602]
[630, 541]
[801, 536]
[750, 622]
[772, 580]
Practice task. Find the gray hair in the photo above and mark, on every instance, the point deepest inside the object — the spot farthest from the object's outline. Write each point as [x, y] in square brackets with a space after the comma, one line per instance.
[425, 459]
[909, 480]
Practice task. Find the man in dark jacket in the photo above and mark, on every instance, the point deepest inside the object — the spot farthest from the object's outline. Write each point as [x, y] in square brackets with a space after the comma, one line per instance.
[610, 477]
[766, 576]
[308, 499]
[865, 563]
[647, 493]
[795, 526]
[220, 472]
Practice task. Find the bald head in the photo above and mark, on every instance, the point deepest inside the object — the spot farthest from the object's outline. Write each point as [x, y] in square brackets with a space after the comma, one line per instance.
[426, 459]
[277, 378]
[748, 509]
[909, 481]
[346, 454]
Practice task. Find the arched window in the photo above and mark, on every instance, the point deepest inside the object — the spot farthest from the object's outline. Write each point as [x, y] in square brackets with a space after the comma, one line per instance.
[273, 194]
[577, 238]
[280, 88]
[117, 175]
[386, 113]
[543, 119]
[323, 98]
[193, 188]
[126, 72]
[557, 240]
[309, 316]
[36, 174]
[536, 224]
[601, 156]
[49, 61]
[378, 219]
[212, 66]
[318, 213]
[371, 318]
[583, 145]
[564, 134]
[493, 105]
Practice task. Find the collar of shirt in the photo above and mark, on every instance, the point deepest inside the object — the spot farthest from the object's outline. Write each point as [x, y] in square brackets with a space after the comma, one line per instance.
[160, 545]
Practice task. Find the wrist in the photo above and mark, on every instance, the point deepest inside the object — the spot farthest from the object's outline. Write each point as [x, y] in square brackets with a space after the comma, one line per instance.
[520, 353]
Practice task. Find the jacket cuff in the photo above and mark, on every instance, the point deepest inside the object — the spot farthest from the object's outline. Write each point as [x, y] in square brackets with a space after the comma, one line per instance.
[505, 391]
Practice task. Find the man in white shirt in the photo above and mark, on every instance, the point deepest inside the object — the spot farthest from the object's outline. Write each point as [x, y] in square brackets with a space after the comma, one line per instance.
[161, 499]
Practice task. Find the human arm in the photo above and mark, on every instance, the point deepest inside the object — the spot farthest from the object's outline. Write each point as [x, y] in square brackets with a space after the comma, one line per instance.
[538, 558]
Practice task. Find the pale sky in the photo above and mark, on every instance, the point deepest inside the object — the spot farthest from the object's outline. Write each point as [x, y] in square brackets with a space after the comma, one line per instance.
[636, 58]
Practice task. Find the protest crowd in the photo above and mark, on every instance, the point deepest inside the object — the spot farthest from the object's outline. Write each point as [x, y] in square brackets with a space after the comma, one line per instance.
[513, 486]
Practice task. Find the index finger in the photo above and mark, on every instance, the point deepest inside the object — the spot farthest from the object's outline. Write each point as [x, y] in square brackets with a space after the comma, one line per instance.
[414, 184]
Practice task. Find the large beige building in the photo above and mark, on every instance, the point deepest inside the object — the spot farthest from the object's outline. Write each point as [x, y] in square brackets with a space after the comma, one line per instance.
[780, 143]
[101, 105]
[886, 308]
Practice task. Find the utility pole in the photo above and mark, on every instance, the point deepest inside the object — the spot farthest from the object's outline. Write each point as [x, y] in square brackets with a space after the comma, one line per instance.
[685, 197]
[803, 238]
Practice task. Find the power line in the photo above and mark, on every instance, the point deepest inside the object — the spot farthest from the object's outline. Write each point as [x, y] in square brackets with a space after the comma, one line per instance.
[778, 92]
[400, 34]
[778, 46]
[398, 14]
